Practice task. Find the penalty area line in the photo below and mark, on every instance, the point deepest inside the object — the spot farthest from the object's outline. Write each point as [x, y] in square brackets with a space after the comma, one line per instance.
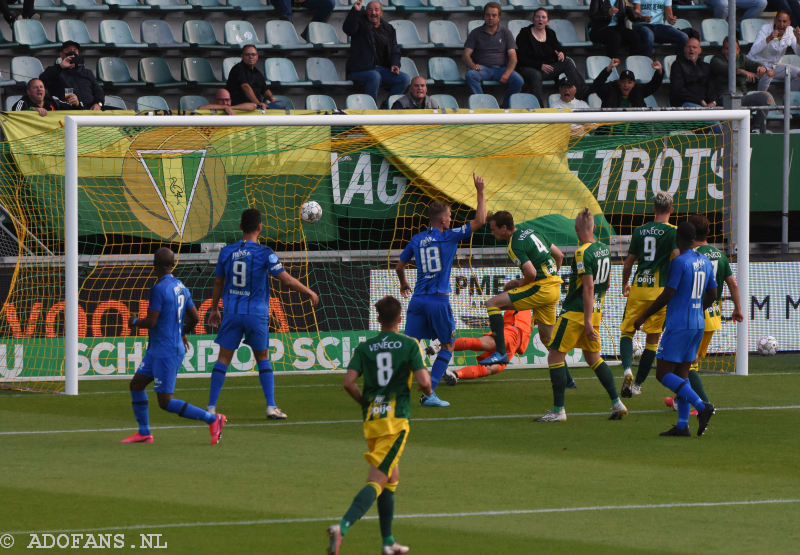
[507, 512]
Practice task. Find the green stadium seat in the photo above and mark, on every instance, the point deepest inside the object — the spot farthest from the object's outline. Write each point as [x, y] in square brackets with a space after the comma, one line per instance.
[596, 64]
[113, 72]
[482, 102]
[113, 101]
[155, 72]
[477, 5]
[408, 67]
[30, 35]
[360, 102]
[473, 24]
[75, 29]
[516, 25]
[552, 98]
[667, 64]
[281, 35]
[84, 6]
[151, 103]
[524, 101]
[568, 5]
[227, 64]
[116, 33]
[566, 34]
[281, 71]
[790, 60]
[11, 100]
[750, 28]
[322, 72]
[25, 68]
[167, 5]
[158, 34]
[407, 35]
[48, 6]
[682, 24]
[641, 66]
[198, 33]
[250, 6]
[446, 101]
[594, 101]
[650, 101]
[392, 99]
[120, 6]
[452, 6]
[411, 6]
[198, 72]
[444, 71]
[443, 33]
[206, 6]
[239, 33]
[713, 31]
[190, 102]
[323, 35]
[525, 5]
[320, 102]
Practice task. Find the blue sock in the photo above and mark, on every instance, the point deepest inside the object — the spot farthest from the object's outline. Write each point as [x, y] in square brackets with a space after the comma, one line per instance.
[684, 408]
[184, 409]
[440, 366]
[267, 379]
[139, 402]
[683, 390]
[217, 379]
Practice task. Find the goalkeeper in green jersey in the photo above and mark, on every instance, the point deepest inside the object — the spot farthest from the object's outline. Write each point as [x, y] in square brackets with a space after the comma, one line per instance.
[580, 319]
[386, 362]
[652, 248]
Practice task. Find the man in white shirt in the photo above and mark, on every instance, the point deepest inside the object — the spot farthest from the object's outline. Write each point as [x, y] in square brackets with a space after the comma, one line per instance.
[772, 42]
[566, 95]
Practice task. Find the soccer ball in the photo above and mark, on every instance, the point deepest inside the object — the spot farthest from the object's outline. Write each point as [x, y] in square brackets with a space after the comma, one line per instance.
[311, 212]
[767, 345]
[638, 349]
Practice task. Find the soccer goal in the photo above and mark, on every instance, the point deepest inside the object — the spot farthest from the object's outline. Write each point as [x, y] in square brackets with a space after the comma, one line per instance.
[131, 184]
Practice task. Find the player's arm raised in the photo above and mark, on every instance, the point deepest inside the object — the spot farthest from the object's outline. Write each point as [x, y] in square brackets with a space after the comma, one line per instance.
[587, 282]
[296, 285]
[627, 268]
[350, 386]
[480, 212]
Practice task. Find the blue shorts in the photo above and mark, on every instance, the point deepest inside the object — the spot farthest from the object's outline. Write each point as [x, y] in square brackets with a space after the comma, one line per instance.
[163, 370]
[679, 345]
[431, 317]
[255, 330]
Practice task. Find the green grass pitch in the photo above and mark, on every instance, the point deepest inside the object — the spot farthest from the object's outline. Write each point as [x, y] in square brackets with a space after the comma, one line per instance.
[479, 477]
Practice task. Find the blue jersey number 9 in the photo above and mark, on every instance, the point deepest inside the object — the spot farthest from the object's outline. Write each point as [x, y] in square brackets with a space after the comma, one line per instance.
[239, 270]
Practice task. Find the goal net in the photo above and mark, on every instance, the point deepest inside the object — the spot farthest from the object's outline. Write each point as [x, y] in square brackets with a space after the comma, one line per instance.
[87, 223]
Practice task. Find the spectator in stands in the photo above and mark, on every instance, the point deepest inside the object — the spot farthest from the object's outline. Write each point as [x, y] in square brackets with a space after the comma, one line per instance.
[416, 97]
[490, 55]
[607, 25]
[747, 71]
[320, 10]
[222, 101]
[770, 44]
[752, 8]
[36, 98]
[374, 58]
[566, 95]
[69, 72]
[650, 23]
[626, 92]
[691, 79]
[791, 7]
[246, 83]
[27, 11]
[541, 56]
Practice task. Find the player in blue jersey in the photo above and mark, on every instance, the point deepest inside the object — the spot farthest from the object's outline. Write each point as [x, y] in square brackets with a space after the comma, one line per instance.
[430, 315]
[691, 288]
[242, 282]
[170, 314]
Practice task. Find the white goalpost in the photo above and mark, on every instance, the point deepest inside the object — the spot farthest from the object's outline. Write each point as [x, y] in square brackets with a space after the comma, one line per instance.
[739, 209]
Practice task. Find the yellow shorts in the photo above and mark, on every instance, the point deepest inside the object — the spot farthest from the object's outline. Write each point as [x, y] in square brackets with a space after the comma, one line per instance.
[384, 451]
[569, 334]
[713, 318]
[634, 308]
[541, 298]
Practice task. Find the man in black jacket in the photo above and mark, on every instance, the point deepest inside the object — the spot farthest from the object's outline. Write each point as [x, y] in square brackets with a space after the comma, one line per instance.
[626, 92]
[607, 26]
[69, 73]
[691, 79]
[374, 53]
[37, 99]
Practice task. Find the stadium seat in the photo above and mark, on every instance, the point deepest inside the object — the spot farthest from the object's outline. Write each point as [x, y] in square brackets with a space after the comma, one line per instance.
[281, 35]
[667, 63]
[5, 43]
[240, 33]
[566, 34]
[198, 33]
[517, 25]
[407, 36]
[477, 5]
[190, 102]
[29, 33]
[360, 102]
[411, 6]
[594, 101]
[443, 33]
[11, 100]
[552, 98]
[524, 101]
[750, 28]
[713, 31]
[320, 102]
[166, 5]
[114, 72]
[145, 103]
[158, 34]
[446, 101]
[250, 6]
[281, 71]
[444, 71]
[206, 6]
[48, 6]
[650, 101]
[113, 101]
[525, 5]
[84, 6]
[596, 64]
[25, 68]
[155, 72]
[227, 64]
[568, 5]
[286, 101]
[322, 72]
[450, 6]
[116, 33]
[641, 66]
[473, 24]
[119, 6]
[198, 72]
[392, 99]
[323, 35]
[75, 29]
[482, 102]
[790, 60]
[408, 67]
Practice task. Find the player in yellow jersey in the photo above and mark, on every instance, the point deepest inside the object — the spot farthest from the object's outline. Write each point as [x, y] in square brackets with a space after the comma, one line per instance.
[652, 247]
